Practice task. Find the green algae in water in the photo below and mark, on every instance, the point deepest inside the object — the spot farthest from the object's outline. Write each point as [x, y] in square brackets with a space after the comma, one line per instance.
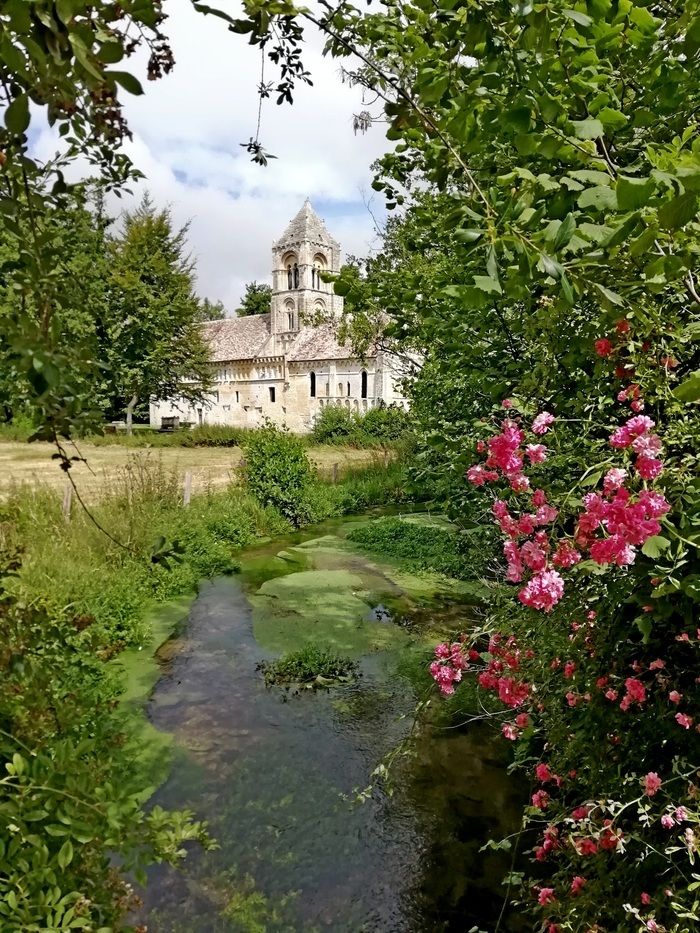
[151, 749]
[276, 779]
[319, 607]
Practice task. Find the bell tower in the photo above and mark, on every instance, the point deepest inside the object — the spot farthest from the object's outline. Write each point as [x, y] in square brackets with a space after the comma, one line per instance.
[302, 253]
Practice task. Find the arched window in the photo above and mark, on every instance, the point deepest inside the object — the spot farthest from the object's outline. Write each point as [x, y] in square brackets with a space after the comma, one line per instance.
[290, 320]
[318, 266]
[348, 389]
[363, 389]
[340, 388]
[296, 275]
[312, 384]
[290, 280]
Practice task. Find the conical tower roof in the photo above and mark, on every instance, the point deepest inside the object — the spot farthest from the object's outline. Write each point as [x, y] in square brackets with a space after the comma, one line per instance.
[306, 225]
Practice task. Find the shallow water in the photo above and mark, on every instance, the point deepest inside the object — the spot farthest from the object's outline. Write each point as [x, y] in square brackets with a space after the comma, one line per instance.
[276, 773]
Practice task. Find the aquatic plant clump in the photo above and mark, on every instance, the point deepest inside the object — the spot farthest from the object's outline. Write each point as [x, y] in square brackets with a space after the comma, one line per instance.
[310, 667]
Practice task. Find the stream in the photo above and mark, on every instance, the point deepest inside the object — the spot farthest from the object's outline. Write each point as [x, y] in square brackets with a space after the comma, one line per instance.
[277, 772]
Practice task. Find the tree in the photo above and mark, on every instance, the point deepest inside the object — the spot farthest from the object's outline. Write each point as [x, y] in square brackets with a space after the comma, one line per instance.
[155, 348]
[211, 310]
[553, 269]
[256, 299]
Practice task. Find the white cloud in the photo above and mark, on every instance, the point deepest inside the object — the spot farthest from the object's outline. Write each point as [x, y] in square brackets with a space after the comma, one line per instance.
[188, 128]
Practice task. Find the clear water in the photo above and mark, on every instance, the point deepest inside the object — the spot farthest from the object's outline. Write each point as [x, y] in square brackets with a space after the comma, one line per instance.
[276, 776]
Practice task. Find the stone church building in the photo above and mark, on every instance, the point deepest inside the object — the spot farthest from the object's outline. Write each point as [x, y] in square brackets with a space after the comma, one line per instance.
[284, 365]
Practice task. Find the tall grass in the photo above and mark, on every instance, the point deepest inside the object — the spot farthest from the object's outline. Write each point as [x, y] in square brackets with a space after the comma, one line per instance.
[155, 548]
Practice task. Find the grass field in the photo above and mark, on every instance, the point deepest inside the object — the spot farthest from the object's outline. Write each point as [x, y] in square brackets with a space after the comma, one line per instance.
[210, 466]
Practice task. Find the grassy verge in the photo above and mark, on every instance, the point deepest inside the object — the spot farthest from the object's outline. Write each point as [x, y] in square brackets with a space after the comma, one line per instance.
[155, 549]
[79, 757]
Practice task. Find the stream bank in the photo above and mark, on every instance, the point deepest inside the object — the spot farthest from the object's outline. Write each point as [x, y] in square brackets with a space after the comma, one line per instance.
[277, 773]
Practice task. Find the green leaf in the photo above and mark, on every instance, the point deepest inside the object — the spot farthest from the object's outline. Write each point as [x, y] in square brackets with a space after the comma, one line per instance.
[111, 52]
[609, 297]
[17, 115]
[633, 193]
[645, 625]
[588, 129]
[612, 119]
[488, 284]
[692, 37]
[468, 236]
[127, 81]
[591, 175]
[679, 211]
[564, 233]
[567, 291]
[581, 18]
[653, 547]
[550, 266]
[643, 242]
[518, 119]
[65, 10]
[492, 264]
[601, 198]
[65, 854]
[82, 54]
[689, 390]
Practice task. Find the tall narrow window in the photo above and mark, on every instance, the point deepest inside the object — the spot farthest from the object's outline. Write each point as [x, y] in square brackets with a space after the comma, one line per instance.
[238, 398]
[348, 390]
[312, 384]
[363, 388]
[272, 393]
[290, 320]
[296, 275]
[290, 281]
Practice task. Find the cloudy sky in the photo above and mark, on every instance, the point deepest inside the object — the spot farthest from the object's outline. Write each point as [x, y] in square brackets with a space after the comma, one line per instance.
[187, 133]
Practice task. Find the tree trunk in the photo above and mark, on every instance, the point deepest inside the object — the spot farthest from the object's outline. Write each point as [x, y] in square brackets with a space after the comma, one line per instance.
[130, 413]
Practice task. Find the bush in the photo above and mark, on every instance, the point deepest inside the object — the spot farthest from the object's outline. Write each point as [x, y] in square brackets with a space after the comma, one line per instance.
[374, 428]
[205, 435]
[421, 545]
[310, 667]
[278, 472]
[20, 428]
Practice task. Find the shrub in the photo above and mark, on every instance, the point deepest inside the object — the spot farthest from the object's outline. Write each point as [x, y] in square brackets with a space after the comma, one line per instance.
[333, 424]
[310, 667]
[205, 435]
[421, 545]
[20, 428]
[278, 472]
[374, 428]
[69, 795]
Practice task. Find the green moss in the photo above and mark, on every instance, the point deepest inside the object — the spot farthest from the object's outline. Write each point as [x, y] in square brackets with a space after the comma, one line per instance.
[319, 607]
[151, 750]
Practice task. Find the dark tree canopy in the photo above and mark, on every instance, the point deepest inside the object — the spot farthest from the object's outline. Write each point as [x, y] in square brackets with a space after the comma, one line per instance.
[211, 310]
[155, 348]
[256, 299]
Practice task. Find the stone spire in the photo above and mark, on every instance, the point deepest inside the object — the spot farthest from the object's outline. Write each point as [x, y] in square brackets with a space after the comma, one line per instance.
[300, 256]
[306, 225]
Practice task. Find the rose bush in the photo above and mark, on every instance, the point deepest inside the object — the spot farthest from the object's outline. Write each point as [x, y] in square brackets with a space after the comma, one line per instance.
[588, 658]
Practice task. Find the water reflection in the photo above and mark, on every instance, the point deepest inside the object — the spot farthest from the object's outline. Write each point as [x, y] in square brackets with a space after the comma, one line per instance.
[276, 774]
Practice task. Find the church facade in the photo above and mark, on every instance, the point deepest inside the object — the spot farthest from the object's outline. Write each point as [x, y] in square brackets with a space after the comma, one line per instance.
[288, 364]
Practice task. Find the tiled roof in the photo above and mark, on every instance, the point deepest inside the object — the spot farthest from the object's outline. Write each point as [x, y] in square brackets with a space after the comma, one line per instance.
[307, 225]
[237, 338]
[318, 343]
